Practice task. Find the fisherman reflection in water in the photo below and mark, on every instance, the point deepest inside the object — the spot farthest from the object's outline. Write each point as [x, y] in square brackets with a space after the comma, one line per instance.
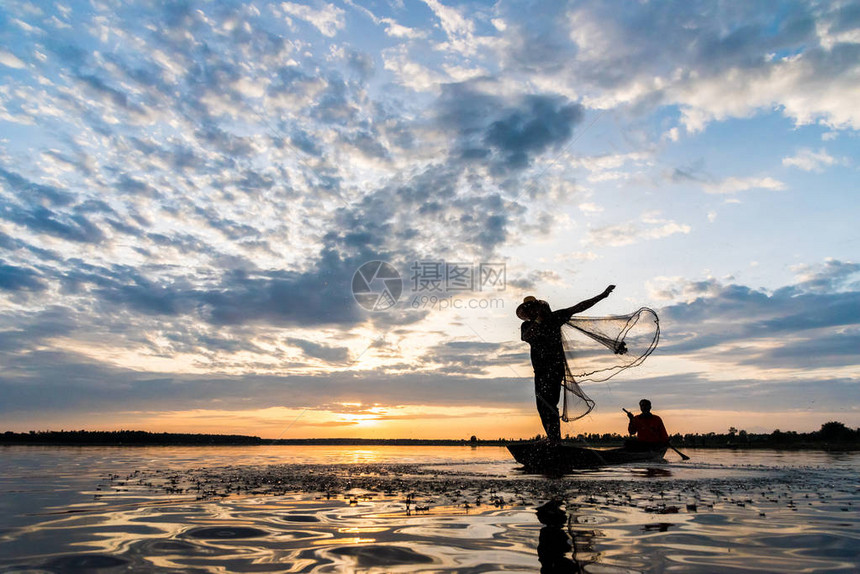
[647, 427]
[541, 329]
[554, 544]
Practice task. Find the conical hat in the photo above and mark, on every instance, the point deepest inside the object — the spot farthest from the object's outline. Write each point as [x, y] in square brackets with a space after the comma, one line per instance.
[524, 306]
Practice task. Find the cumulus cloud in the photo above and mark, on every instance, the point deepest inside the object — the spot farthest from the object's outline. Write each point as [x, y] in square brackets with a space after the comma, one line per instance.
[396, 30]
[832, 275]
[650, 226]
[810, 160]
[541, 124]
[328, 353]
[777, 329]
[713, 64]
[731, 185]
[14, 278]
[506, 134]
[813, 87]
[611, 166]
[677, 288]
[326, 18]
[410, 73]
[10, 60]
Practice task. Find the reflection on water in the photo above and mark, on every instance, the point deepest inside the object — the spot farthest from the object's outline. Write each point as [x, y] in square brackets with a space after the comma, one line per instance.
[652, 472]
[556, 550]
[152, 510]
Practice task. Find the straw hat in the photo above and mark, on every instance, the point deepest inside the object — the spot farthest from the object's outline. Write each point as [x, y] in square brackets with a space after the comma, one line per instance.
[527, 303]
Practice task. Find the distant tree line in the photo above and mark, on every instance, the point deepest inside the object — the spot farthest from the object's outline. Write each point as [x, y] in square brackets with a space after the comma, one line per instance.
[125, 437]
[143, 438]
[832, 435]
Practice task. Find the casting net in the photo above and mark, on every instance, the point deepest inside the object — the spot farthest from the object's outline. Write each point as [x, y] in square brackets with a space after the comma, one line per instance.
[598, 348]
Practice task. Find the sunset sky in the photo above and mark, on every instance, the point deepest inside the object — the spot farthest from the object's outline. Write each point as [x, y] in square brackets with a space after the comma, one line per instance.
[187, 190]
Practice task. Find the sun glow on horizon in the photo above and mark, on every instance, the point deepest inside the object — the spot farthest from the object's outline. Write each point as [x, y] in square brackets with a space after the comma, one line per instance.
[429, 422]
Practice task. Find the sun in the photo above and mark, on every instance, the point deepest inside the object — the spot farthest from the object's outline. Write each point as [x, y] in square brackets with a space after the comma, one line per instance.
[361, 416]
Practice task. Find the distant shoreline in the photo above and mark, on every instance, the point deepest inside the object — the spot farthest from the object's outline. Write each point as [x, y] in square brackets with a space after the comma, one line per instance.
[781, 441]
[838, 447]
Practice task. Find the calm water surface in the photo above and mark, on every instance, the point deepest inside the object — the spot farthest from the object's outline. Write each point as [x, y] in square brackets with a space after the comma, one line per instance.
[421, 509]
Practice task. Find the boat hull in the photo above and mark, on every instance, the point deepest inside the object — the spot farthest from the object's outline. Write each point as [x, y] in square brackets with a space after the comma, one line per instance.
[542, 456]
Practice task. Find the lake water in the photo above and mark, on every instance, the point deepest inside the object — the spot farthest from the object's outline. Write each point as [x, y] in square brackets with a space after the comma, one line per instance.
[421, 509]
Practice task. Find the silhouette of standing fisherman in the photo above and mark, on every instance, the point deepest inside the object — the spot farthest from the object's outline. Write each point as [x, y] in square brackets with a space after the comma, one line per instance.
[541, 329]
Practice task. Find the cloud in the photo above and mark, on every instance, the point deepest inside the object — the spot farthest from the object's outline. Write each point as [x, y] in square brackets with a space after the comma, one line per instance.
[458, 29]
[326, 18]
[785, 396]
[35, 192]
[362, 63]
[677, 288]
[785, 329]
[606, 167]
[711, 64]
[76, 227]
[10, 60]
[70, 383]
[833, 275]
[731, 185]
[778, 348]
[507, 135]
[396, 30]
[813, 87]
[327, 353]
[465, 357]
[810, 160]
[319, 296]
[650, 226]
[536, 278]
[543, 122]
[14, 278]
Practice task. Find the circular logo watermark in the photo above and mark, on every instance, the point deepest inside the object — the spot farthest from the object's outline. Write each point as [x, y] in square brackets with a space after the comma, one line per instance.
[376, 286]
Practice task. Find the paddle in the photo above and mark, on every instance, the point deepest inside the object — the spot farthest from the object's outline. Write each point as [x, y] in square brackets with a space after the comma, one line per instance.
[681, 454]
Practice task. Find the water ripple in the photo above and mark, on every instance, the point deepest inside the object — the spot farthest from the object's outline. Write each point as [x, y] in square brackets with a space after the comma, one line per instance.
[415, 518]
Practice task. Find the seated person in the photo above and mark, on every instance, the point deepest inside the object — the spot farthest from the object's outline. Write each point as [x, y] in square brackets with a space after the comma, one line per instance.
[648, 428]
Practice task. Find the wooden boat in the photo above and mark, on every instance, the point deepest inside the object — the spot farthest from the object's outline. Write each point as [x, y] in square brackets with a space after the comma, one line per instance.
[543, 456]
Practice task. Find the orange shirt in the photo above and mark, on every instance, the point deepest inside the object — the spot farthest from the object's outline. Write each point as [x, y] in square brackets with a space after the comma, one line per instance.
[648, 429]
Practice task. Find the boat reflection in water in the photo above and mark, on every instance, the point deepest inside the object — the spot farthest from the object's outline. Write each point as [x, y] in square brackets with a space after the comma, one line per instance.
[651, 472]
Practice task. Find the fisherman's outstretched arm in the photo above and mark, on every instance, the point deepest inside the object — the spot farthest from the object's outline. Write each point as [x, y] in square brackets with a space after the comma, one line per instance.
[588, 303]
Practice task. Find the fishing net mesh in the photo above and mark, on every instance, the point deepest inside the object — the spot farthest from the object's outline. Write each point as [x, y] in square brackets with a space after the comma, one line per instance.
[629, 340]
